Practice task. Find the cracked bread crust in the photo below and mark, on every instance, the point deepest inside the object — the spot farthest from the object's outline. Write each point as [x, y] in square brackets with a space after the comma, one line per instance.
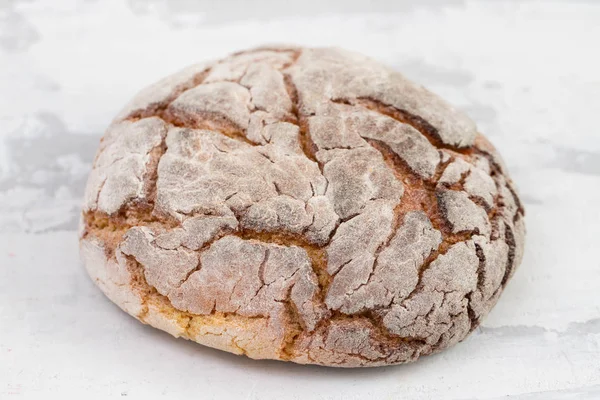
[299, 204]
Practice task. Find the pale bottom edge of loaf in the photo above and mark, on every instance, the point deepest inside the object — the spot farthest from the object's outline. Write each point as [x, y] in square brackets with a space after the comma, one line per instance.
[254, 337]
[250, 336]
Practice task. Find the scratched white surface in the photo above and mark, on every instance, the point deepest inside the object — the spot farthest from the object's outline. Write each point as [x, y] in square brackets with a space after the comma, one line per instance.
[527, 72]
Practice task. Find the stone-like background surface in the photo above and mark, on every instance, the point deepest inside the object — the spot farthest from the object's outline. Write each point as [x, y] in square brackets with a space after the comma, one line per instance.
[526, 71]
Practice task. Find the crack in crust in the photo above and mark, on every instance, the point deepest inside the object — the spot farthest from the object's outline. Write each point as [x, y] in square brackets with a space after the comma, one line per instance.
[403, 116]
[308, 146]
[298, 342]
[156, 109]
[480, 283]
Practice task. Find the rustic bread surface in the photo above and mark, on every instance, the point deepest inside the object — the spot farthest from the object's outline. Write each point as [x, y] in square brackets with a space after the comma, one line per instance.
[301, 204]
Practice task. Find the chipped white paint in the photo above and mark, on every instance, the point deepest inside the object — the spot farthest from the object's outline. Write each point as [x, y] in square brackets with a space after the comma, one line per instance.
[527, 77]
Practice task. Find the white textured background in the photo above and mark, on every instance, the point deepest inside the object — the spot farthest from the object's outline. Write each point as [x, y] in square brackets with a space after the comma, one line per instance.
[528, 72]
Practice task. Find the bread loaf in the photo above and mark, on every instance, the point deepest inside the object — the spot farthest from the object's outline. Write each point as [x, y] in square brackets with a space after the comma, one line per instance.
[301, 204]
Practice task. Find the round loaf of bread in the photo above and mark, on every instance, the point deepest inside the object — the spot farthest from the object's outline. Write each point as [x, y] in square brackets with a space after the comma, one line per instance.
[301, 204]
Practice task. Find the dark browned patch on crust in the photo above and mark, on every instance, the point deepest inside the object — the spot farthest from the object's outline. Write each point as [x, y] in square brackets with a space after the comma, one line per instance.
[419, 194]
[509, 237]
